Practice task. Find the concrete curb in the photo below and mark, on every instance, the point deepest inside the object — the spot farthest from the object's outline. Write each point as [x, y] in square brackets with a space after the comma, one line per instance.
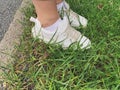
[12, 36]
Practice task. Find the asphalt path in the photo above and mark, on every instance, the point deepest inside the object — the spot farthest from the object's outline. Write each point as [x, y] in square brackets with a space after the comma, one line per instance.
[7, 11]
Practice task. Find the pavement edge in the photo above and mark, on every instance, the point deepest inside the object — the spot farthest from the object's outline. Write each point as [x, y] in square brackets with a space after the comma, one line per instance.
[12, 36]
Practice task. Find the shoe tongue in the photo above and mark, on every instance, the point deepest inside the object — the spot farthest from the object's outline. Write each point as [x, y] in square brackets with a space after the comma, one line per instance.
[63, 6]
[66, 5]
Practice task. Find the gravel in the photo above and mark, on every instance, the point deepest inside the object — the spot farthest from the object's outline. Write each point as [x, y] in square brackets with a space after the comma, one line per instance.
[7, 11]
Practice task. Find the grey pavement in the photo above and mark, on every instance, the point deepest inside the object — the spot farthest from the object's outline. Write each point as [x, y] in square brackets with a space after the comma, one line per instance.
[7, 11]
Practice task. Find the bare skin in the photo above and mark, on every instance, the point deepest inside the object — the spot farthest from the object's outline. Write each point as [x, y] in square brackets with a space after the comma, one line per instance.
[46, 11]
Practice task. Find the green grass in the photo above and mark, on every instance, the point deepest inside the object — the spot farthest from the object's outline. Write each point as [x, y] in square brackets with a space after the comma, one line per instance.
[39, 66]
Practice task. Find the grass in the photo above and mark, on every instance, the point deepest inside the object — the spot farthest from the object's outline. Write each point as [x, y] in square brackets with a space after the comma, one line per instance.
[40, 66]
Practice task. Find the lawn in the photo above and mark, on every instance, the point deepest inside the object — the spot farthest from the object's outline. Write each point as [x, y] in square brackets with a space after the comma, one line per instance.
[40, 66]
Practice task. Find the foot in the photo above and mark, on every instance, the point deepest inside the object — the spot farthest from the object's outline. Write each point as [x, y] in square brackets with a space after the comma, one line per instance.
[64, 35]
[75, 19]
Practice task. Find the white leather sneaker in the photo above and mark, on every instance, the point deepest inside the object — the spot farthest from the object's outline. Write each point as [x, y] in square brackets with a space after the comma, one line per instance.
[65, 35]
[75, 19]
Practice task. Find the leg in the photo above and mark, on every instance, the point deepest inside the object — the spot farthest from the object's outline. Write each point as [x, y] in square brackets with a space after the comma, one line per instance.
[49, 27]
[46, 11]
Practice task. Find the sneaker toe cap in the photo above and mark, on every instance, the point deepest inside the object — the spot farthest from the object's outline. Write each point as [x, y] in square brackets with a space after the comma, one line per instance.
[85, 43]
